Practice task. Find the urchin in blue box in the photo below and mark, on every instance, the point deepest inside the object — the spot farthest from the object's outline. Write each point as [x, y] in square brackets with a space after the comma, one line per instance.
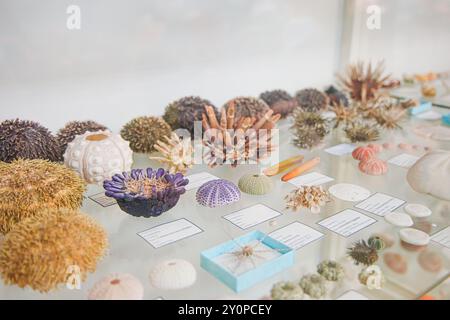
[245, 261]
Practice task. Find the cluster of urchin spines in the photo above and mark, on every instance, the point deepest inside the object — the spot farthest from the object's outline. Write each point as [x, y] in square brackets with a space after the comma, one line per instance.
[183, 113]
[32, 185]
[311, 100]
[39, 251]
[247, 107]
[309, 128]
[144, 132]
[23, 139]
[72, 129]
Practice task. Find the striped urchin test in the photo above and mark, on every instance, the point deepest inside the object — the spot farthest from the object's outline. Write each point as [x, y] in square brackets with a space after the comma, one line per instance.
[217, 193]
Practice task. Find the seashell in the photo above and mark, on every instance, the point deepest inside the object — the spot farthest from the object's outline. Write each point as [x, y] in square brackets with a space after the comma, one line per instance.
[405, 146]
[314, 285]
[217, 193]
[396, 262]
[173, 274]
[373, 166]
[286, 291]
[331, 270]
[417, 210]
[399, 219]
[372, 277]
[363, 153]
[349, 192]
[255, 184]
[430, 261]
[117, 287]
[97, 156]
[388, 146]
[376, 147]
[413, 239]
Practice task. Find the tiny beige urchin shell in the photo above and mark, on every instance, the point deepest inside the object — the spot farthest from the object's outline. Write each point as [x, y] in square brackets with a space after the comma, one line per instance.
[117, 287]
[39, 250]
[29, 186]
[255, 184]
[173, 275]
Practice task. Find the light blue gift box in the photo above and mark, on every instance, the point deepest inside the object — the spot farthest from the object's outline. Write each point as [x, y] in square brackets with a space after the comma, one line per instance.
[422, 107]
[247, 279]
[446, 119]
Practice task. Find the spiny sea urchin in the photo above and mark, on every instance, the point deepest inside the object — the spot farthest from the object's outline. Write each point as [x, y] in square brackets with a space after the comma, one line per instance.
[311, 100]
[247, 107]
[344, 114]
[279, 101]
[361, 132]
[144, 132]
[336, 96]
[75, 128]
[362, 253]
[28, 186]
[40, 251]
[309, 128]
[183, 112]
[22, 139]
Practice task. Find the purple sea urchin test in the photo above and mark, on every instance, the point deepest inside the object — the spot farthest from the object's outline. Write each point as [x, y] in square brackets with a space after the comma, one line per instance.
[217, 193]
[146, 192]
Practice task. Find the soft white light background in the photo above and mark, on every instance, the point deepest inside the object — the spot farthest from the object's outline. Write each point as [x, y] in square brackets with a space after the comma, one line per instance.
[131, 58]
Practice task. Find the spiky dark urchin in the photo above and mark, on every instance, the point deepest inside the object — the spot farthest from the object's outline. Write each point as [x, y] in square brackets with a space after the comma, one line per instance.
[309, 128]
[43, 251]
[183, 112]
[279, 101]
[362, 253]
[311, 100]
[22, 139]
[74, 128]
[28, 186]
[360, 132]
[144, 132]
[248, 107]
[336, 97]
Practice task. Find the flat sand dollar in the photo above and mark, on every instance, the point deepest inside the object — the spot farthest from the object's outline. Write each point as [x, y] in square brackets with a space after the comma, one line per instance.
[396, 262]
[417, 210]
[349, 192]
[430, 261]
[399, 219]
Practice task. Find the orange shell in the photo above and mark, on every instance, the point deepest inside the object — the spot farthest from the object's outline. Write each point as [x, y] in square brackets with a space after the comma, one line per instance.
[373, 166]
[363, 153]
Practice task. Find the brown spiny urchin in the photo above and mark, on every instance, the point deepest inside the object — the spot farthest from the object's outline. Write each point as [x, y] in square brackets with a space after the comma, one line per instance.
[247, 107]
[22, 139]
[336, 97]
[362, 253]
[363, 82]
[344, 114]
[309, 128]
[144, 132]
[51, 248]
[362, 132]
[28, 186]
[74, 128]
[311, 100]
[279, 101]
[183, 112]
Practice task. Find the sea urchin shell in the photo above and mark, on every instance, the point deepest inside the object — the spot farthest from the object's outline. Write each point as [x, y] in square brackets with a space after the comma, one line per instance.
[21, 139]
[173, 274]
[373, 166]
[117, 287]
[255, 184]
[144, 132]
[217, 193]
[311, 100]
[363, 153]
[41, 250]
[247, 107]
[29, 186]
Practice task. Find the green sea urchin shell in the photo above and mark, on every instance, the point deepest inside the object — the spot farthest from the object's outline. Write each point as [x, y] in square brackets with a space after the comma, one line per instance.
[331, 270]
[144, 132]
[255, 184]
[286, 291]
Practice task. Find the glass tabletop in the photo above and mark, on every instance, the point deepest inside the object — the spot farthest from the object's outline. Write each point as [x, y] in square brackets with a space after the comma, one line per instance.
[129, 253]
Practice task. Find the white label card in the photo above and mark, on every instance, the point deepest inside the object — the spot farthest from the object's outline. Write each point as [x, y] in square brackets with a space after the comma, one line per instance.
[341, 149]
[197, 179]
[347, 222]
[352, 295]
[380, 204]
[103, 200]
[442, 237]
[310, 179]
[404, 160]
[251, 216]
[170, 232]
[296, 235]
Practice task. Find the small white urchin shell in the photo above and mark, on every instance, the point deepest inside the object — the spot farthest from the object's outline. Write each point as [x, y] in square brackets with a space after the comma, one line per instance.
[99, 155]
[117, 287]
[217, 193]
[173, 275]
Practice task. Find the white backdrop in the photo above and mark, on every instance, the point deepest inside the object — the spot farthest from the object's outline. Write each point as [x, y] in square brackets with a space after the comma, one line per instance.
[131, 58]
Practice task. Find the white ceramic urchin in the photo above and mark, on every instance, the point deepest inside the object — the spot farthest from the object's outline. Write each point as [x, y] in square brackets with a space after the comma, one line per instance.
[173, 274]
[99, 155]
[117, 287]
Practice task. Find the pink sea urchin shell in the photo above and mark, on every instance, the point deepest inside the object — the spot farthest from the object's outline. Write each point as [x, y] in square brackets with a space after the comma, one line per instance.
[376, 147]
[405, 146]
[363, 153]
[388, 146]
[373, 166]
[117, 287]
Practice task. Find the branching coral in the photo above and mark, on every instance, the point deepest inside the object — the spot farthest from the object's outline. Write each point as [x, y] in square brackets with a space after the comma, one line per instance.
[28, 186]
[41, 250]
